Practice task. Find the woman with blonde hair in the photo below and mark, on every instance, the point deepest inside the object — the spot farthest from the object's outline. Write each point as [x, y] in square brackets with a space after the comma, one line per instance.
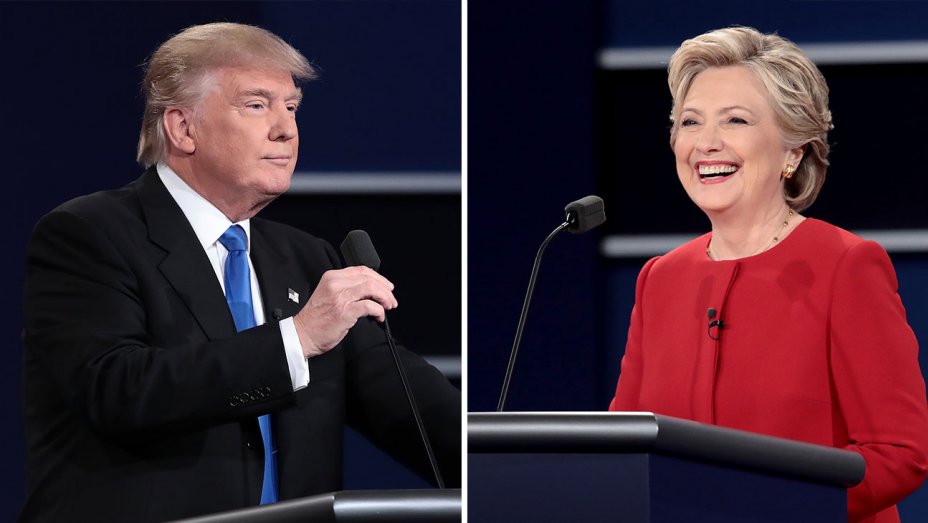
[782, 325]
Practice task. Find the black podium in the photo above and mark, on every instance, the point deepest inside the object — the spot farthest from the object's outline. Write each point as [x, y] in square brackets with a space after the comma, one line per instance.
[353, 506]
[639, 467]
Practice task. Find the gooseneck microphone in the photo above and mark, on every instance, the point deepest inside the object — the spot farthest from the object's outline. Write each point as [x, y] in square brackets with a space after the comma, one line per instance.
[357, 249]
[582, 215]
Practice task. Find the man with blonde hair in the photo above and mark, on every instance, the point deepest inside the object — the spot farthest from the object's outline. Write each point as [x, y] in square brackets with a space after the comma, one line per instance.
[183, 357]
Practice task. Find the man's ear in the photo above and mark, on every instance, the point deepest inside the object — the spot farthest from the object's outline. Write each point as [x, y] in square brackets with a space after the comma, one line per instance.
[178, 128]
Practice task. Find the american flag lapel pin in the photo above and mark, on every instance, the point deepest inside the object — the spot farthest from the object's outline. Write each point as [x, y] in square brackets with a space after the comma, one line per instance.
[293, 295]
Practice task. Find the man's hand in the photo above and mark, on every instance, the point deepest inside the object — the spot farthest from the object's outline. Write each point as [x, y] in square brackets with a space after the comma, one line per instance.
[341, 298]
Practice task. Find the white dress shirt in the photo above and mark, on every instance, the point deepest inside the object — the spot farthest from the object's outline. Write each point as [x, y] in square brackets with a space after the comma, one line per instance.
[209, 224]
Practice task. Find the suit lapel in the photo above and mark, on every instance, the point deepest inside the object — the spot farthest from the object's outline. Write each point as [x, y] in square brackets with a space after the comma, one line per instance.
[185, 264]
[284, 287]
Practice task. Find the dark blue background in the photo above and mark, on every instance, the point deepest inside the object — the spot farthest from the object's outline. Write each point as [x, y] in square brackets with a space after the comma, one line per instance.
[669, 22]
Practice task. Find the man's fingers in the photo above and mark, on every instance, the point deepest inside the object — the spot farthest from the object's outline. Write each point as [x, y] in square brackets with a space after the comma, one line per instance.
[341, 298]
[360, 309]
[361, 271]
[371, 290]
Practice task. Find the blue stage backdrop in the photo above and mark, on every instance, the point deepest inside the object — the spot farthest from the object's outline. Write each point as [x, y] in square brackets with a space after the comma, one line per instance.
[380, 149]
[570, 98]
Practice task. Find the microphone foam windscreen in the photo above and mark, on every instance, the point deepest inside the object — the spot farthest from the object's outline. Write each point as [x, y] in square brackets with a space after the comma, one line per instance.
[358, 250]
[585, 214]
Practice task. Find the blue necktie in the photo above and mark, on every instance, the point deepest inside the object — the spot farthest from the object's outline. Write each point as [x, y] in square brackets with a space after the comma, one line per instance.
[238, 296]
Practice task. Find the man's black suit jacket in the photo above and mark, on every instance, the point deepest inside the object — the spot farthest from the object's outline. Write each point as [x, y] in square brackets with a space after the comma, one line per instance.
[140, 398]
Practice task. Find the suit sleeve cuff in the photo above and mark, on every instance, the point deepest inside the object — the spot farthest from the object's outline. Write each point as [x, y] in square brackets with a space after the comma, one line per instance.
[296, 362]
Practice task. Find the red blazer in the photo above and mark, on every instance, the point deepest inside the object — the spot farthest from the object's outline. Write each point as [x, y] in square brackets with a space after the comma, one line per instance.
[815, 347]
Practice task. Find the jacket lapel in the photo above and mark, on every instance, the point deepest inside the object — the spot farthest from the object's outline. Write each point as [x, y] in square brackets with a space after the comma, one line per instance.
[284, 287]
[185, 264]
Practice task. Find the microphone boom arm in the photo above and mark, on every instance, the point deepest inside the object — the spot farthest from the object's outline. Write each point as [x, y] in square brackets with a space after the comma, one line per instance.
[525, 305]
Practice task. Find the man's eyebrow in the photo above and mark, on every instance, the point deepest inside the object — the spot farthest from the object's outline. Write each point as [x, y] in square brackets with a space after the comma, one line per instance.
[296, 95]
[257, 91]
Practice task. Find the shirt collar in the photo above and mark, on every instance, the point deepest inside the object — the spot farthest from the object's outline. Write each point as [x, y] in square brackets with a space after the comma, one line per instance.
[207, 221]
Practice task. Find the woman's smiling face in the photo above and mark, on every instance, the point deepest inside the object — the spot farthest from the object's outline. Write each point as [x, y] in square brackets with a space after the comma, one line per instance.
[729, 150]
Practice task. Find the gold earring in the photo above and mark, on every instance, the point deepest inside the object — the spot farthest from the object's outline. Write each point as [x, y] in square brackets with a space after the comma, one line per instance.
[788, 172]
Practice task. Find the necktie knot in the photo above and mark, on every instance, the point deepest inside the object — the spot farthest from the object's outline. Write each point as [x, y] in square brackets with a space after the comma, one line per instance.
[234, 239]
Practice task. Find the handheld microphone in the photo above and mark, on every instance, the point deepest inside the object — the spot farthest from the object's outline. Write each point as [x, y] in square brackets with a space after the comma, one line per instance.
[582, 215]
[357, 249]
